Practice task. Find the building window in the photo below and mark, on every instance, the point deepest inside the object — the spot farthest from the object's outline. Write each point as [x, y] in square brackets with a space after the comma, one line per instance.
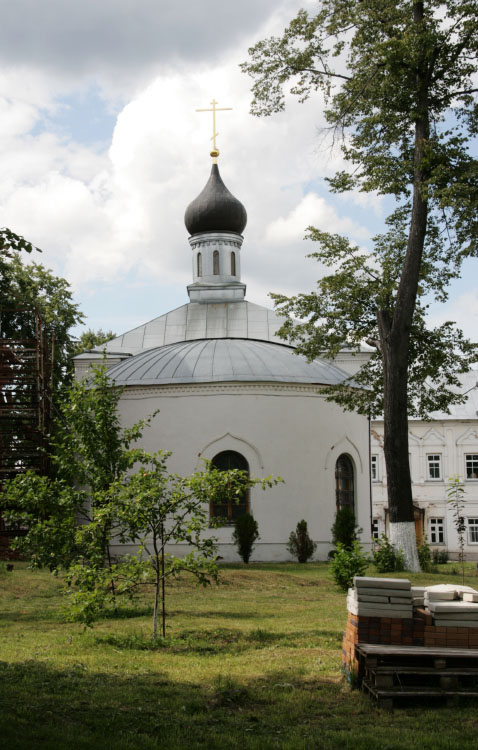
[471, 465]
[437, 531]
[344, 482]
[434, 466]
[375, 531]
[230, 507]
[199, 259]
[473, 531]
[233, 264]
[215, 262]
[374, 468]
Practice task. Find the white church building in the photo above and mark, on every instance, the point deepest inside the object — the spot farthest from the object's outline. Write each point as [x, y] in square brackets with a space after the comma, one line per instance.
[229, 390]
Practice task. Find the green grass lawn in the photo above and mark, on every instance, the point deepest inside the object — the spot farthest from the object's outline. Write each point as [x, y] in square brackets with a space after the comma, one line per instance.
[251, 663]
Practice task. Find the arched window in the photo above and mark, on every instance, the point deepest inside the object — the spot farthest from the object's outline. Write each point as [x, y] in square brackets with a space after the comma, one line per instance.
[199, 261]
[233, 264]
[344, 482]
[230, 507]
[215, 262]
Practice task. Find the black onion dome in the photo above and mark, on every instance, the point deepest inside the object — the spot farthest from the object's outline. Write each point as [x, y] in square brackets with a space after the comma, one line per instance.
[215, 209]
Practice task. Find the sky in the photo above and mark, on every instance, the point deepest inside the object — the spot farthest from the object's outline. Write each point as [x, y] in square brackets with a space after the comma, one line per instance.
[101, 151]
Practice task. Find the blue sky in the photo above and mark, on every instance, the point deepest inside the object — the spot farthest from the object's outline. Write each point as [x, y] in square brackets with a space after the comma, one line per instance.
[102, 150]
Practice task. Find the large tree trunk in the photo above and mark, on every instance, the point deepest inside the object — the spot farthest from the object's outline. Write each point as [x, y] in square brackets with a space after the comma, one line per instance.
[395, 325]
[400, 501]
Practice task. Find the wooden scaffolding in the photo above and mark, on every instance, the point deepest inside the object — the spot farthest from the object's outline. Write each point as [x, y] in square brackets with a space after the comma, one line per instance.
[25, 403]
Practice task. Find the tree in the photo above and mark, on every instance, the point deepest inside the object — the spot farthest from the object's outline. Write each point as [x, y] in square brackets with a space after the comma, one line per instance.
[246, 532]
[29, 288]
[398, 81]
[345, 528]
[91, 339]
[105, 489]
[66, 516]
[456, 498]
[36, 316]
[300, 544]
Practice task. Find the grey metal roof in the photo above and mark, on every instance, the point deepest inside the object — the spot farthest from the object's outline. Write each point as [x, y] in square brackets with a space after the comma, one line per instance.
[199, 321]
[223, 360]
[468, 410]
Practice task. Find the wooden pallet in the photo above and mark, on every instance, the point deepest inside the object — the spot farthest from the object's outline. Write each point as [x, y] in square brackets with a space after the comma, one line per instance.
[389, 673]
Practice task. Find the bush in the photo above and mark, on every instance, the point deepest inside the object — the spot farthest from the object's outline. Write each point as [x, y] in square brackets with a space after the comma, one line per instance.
[348, 563]
[345, 530]
[386, 558]
[300, 544]
[424, 555]
[440, 556]
[245, 533]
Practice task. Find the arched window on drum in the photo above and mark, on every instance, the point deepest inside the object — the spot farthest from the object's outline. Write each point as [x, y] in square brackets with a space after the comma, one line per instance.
[344, 482]
[231, 507]
[199, 264]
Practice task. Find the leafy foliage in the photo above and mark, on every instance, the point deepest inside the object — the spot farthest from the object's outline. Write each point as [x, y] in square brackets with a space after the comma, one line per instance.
[387, 559]
[91, 339]
[424, 555]
[398, 81]
[29, 287]
[246, 532]
[345, 529]
[106, 491]
[300, 544]
[346, 564]
[456, 498]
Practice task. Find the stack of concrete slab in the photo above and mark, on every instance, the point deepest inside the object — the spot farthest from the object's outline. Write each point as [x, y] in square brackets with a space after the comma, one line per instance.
[452, 605]
[380, 597]
[418, 595]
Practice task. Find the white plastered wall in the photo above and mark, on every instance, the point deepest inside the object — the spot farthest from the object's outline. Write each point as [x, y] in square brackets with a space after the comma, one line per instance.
[282, 430]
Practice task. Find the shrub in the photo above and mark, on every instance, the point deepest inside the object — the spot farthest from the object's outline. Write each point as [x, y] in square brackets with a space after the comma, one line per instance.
[300, 544]
[424, 555]
[245, 533]
[345, 529]
[386, 558]
[348, 563]
[440, 556]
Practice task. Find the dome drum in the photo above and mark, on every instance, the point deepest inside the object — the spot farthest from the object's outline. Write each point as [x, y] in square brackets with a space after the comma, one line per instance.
[216, 257]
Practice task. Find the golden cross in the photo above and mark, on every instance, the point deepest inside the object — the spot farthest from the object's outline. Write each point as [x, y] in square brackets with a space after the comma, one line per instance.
[215, 150]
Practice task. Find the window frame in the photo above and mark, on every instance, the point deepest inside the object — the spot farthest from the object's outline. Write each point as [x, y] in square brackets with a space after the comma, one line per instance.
[472, 459]
[215, 263]
[472, 529]
[437, 522]
[238, 458]
[434, 460]
[374, 467]
[375, 529]
[344, 482]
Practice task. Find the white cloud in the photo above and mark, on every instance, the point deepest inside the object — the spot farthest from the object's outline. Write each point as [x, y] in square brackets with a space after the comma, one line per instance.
[311, 211]
[463, 310]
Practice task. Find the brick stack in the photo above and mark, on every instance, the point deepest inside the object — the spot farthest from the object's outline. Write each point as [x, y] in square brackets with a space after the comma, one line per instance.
[419, 630]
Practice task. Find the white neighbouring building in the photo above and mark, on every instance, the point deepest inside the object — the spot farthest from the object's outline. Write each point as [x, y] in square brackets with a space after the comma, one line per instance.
[228, 389]
[444, 447]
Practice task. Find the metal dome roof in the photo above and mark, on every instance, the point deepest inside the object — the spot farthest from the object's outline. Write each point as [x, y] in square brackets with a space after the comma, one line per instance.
[223, 360]
[215, 209]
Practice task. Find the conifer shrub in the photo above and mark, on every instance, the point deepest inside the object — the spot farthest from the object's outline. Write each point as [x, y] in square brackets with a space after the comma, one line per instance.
[345, 530]
[300, 544]
[246, 532]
